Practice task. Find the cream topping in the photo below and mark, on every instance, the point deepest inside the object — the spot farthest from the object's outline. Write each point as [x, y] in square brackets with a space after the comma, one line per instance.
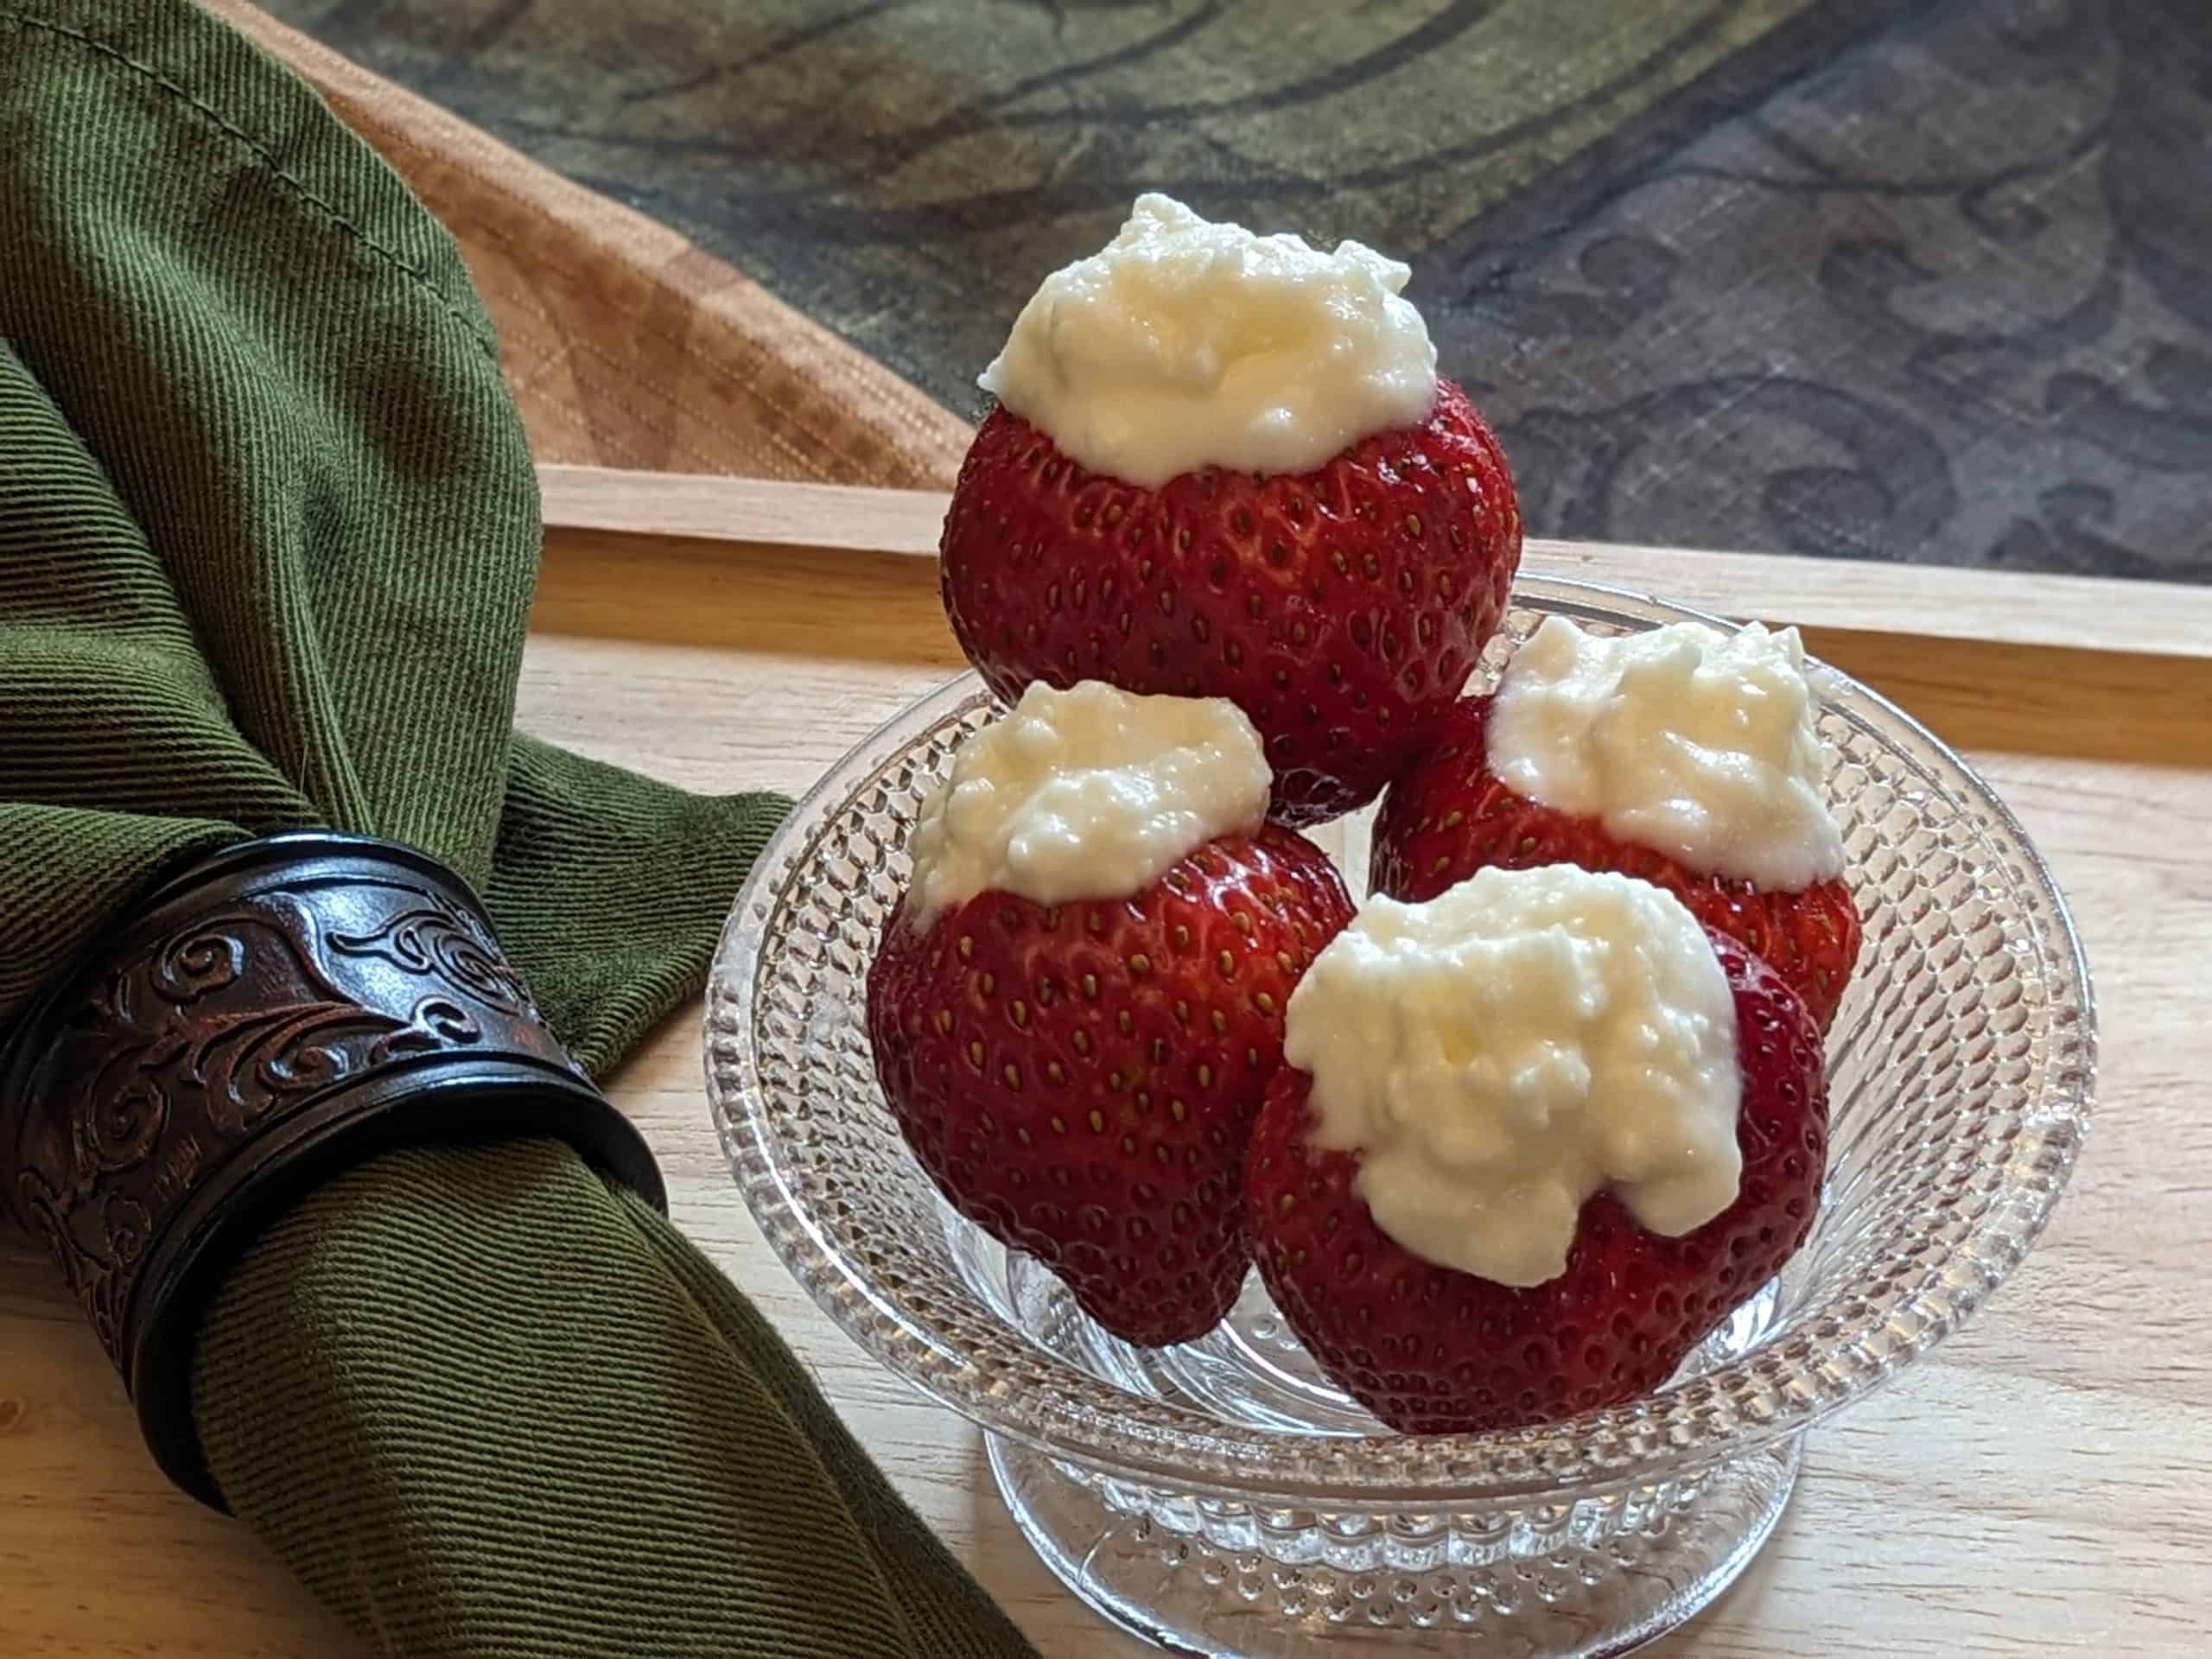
[1088, 793]
[1186, 343]
[1697, 743]
[1516, 1044]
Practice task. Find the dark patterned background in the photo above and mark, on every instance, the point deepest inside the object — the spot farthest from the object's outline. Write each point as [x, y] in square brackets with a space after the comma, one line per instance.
[1869, 278]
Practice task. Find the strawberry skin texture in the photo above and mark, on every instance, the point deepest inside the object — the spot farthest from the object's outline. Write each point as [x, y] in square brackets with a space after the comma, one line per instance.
[1430, 1350]
[1450, 816]
[1080, 1079]
[1342, 609]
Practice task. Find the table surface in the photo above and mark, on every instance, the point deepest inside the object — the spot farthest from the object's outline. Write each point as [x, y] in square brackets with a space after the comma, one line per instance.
[2042, 1484]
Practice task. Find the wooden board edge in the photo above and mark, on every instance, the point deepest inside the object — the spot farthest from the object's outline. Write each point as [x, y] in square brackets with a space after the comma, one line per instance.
[1931, 601]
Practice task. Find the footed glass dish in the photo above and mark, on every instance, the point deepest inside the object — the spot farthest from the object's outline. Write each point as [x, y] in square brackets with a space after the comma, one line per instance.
[1223, 1498]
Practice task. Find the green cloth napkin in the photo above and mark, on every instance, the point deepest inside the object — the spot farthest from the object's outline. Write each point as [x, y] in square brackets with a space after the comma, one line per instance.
[268, 534]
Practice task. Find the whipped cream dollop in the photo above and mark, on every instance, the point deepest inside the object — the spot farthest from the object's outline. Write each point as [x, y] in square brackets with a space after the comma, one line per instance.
[1187, 344]
[1088, 793]
[1518, 1043]
[1694, 742]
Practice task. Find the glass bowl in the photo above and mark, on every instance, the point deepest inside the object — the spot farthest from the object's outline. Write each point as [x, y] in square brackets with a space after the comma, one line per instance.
[1222, 1497]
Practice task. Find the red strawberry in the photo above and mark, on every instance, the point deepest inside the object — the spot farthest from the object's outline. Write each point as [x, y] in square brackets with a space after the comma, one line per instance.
[1431, 1350]
[1343, 609]
[1450, 816]
[1080, 1079]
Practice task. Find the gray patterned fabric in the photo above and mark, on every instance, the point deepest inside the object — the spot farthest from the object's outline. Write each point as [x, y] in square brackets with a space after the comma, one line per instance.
[1948, 299]
[1914, 280]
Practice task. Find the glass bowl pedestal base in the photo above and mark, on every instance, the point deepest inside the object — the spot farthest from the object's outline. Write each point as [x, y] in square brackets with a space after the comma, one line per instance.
[1563, 1576]
[1229, 1581]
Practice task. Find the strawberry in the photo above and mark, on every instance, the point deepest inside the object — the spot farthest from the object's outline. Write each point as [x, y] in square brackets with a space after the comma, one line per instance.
[1342, 609]
[1080, 1079]
[1432, 1350]
[1449, 816]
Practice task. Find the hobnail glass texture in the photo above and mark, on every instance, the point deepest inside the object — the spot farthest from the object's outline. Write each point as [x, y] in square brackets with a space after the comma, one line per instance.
[1222, 1498]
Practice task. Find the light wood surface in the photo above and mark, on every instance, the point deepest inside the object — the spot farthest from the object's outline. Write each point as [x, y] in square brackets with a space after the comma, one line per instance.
[2041, 1485]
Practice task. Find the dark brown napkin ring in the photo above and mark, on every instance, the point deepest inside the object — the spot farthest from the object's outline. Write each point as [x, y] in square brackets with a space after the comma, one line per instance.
[268, 1016]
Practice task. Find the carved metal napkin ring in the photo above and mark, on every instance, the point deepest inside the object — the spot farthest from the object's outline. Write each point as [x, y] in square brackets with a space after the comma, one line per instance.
[276, 1011]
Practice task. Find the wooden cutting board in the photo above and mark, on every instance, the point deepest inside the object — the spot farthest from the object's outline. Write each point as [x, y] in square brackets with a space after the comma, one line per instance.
[2041, 1485]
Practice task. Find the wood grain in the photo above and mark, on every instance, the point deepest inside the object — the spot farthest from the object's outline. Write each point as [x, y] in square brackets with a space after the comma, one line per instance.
[2041, 1485]
[1922, 602]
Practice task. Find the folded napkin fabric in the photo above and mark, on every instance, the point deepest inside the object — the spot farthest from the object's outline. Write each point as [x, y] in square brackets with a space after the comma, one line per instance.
[268, 540]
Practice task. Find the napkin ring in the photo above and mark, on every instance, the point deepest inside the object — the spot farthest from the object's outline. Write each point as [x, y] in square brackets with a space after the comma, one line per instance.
[265, 1018]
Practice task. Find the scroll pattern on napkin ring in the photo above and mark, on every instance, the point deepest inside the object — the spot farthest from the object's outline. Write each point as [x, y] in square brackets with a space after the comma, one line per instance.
[287, 1007]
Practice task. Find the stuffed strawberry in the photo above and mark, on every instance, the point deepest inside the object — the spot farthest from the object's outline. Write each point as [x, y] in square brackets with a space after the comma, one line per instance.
[1684, 756]
[1224, 466]
[1079, 1001]
[1538, 1138]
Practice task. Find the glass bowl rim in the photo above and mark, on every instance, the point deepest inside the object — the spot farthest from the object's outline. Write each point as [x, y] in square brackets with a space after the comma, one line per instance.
[1728, 1411]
